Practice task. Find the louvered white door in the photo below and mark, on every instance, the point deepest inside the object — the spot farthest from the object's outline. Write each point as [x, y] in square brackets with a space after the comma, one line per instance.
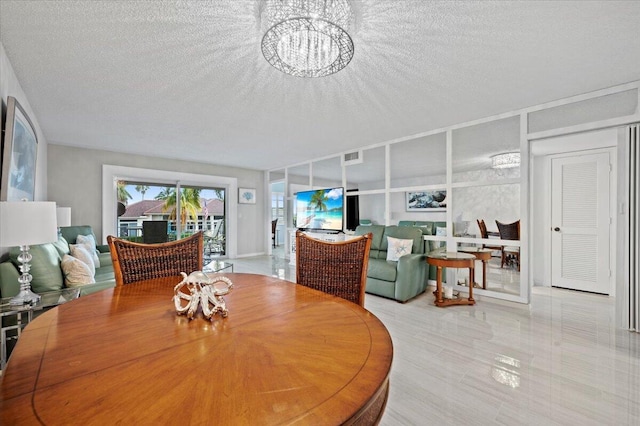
[580, 223]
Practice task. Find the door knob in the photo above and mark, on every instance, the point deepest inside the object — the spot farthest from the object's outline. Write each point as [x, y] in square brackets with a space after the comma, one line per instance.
[556, 229]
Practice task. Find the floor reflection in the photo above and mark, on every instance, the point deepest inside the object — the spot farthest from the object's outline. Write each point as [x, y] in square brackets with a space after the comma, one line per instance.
[504, 280]
[559, 361]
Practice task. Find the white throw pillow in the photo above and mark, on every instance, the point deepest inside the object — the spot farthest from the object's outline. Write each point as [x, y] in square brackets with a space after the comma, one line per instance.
[76, 272]
[79, 252]
[398, 248]
[90, 244]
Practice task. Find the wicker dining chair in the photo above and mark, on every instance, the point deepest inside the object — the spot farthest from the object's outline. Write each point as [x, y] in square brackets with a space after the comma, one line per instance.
[137, 262]
[510, 231]
[274, 224]
[337, 268]
[485, 235]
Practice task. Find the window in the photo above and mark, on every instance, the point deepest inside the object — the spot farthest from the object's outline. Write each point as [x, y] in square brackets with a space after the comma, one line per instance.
[214, 212]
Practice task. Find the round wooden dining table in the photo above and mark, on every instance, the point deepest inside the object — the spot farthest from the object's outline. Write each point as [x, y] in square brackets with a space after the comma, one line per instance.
[285, 354]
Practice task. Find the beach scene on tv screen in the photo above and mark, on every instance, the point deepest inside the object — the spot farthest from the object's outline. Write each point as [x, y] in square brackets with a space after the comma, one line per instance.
[321, 209]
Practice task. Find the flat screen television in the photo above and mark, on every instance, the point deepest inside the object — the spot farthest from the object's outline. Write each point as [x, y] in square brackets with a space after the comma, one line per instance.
[320, 210]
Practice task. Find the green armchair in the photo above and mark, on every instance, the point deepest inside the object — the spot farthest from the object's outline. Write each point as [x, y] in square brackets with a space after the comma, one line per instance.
[429, 228]
[400, 280]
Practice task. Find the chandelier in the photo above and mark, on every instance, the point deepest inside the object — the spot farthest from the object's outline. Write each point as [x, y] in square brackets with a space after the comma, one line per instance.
[307, 38]
[505, 160]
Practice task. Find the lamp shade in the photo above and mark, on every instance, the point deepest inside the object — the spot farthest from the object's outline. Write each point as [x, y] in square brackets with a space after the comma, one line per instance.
[63, 215]
[24, 223]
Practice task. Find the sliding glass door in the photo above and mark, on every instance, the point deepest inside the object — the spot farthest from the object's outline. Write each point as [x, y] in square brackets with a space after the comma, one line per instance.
[203, 209]
[143, 209]
[153, 213]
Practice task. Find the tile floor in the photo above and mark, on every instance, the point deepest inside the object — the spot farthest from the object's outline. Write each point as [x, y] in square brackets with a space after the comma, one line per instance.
[558, 361]
[503, 280]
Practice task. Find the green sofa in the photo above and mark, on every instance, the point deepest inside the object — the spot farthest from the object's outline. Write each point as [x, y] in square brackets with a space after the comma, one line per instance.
[399, 280]
[45, 266]
[429, 228]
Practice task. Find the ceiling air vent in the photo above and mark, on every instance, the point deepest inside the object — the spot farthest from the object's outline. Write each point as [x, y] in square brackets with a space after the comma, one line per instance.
[351, 158]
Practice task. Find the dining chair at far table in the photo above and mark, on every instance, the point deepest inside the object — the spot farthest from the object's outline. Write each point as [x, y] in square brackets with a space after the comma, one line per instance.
[138, 262]
[509, 231]
[338, 268]
[274, 224]
[485, 235]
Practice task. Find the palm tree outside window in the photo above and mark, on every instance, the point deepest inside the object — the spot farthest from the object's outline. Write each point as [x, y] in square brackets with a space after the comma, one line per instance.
[195, 209]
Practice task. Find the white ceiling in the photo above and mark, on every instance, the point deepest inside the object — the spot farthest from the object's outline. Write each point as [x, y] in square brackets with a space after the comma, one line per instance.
[187, 80]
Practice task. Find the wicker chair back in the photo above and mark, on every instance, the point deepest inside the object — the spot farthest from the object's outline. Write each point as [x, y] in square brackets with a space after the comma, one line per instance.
[337, 268]
[137, 262]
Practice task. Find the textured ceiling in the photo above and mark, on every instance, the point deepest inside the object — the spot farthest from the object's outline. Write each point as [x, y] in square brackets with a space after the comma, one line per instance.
[187, 80]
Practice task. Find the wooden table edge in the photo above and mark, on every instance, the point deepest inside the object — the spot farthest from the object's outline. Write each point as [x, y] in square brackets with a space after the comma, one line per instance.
[372, 409]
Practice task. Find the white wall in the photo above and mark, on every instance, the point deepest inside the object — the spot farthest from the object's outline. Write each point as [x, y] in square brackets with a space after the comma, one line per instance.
[10, 86]
[541, 203]
[489, 202]
[75, 180]
[580, 114]
[372, 207]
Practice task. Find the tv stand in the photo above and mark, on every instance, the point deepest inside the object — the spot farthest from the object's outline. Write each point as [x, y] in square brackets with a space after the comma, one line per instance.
[318, 234]
[321, 231]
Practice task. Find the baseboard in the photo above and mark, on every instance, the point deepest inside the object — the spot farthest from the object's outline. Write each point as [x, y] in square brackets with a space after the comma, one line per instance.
[262, 253]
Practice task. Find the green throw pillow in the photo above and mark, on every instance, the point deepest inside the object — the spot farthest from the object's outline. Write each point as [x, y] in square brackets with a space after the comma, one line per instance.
[62, 246]
[45, 267]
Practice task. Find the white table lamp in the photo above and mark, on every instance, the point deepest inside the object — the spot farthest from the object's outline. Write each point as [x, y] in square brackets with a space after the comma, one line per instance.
[25, 223]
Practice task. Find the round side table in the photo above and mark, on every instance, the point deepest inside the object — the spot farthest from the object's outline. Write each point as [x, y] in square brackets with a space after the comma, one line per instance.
[452, 260]
[484, 255]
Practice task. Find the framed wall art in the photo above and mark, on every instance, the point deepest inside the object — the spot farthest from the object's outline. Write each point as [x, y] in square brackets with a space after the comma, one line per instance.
[19, 151]
[246, 195]
[427, 201]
